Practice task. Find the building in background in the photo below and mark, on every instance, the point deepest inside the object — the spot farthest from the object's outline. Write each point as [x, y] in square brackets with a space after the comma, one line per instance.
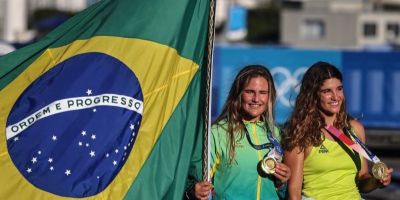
[1, 18]
[355, 24]
[15, 16]
[14, 20]
[64, 5]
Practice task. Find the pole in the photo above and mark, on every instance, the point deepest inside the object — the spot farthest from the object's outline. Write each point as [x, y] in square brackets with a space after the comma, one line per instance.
[207, 114]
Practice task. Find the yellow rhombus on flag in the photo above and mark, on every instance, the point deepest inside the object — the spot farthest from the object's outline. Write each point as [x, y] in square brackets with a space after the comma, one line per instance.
[107, 106]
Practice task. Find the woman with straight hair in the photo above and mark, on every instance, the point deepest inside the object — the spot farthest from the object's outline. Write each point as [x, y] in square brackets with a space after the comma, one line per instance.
[245, 147]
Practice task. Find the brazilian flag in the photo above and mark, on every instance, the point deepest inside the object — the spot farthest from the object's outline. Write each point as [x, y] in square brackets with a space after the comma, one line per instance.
[107, 106]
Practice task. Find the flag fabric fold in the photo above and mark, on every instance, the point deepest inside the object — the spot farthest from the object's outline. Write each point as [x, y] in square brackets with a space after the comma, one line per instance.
[107, 106]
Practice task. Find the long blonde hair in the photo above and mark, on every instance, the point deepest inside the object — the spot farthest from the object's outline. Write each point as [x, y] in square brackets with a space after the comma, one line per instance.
[231, 112]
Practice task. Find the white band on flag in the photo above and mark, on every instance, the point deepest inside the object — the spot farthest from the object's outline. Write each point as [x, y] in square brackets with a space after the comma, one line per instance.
[76, 103]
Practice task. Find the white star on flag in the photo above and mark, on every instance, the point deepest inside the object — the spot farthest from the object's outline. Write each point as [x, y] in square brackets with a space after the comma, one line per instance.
[89, 92]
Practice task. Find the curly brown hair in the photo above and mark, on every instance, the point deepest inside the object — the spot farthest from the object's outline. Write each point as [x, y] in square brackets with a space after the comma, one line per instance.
[232, 109]
[303, 129]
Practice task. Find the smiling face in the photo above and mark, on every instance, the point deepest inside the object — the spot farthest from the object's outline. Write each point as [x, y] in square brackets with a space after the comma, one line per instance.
[331, 97]
[254, 98]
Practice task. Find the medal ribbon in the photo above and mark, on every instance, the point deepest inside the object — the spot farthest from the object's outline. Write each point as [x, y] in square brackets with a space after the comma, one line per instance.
[277, 146]
[258, 147]
[357, 146]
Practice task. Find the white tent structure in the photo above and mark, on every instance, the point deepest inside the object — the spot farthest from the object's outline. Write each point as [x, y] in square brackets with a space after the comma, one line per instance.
[14, 15]
[14, 20]
[5, 48]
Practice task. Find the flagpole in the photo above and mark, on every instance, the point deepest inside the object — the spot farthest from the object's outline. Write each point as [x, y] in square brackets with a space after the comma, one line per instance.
[207, 114]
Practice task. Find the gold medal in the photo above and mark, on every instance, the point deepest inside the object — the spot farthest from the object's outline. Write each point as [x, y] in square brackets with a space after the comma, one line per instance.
[379, 170]
[268, 165]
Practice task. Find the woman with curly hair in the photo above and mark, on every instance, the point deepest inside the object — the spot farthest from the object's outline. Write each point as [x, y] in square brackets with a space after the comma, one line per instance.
[240, 137]
[322, 166]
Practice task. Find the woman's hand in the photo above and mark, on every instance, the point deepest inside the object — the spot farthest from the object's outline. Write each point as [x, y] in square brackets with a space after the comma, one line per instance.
[282, 172]
[385, 181]
[368, 183]
[202, 190]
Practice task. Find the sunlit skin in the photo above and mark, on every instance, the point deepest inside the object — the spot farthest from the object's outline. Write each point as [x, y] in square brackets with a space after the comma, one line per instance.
[331, 99]
[254, 99]
[254, 102]
[331, 96]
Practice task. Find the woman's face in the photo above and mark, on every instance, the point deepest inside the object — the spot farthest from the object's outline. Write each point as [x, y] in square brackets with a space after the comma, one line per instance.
[254, 98]
[331, 97]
